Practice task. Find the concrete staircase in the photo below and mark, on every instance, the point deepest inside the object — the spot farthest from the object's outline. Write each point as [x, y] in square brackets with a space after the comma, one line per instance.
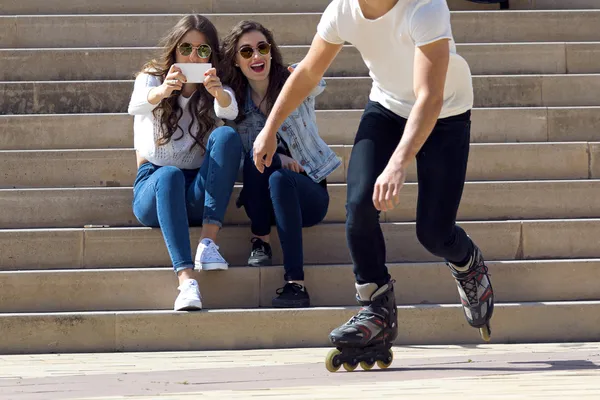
[531, 200]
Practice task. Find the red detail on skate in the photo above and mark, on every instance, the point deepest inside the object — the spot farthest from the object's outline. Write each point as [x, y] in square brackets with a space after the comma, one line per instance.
[365, 330]
[486, 295]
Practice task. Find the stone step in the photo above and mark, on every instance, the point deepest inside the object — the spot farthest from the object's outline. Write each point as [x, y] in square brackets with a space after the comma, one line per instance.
[64, 7]
[293, 28]
[487, 201]
[496, 125]
[26, 249]
[68, 97]
[248, 287]
[270, 328]
[554, 4]
[123, 63]
[117, 167]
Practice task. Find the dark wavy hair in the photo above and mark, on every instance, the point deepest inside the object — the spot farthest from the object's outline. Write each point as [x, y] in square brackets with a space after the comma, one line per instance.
[233, 76]
[168, 111]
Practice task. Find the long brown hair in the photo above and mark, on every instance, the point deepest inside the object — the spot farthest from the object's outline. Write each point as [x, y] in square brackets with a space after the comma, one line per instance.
[168, 112]
[233, 76]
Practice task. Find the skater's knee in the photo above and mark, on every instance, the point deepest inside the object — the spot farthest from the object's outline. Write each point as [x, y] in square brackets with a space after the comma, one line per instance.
[433, 239]
[360, 212]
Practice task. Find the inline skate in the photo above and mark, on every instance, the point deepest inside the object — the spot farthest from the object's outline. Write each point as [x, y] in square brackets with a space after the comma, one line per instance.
[367, 337]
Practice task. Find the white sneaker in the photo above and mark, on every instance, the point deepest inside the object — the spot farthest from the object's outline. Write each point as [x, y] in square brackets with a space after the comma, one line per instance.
[189, 297]
[208, 257]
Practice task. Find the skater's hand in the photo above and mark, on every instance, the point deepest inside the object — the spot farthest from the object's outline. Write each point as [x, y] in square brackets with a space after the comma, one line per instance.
[386, 195]
[264, 149]
[290, 163]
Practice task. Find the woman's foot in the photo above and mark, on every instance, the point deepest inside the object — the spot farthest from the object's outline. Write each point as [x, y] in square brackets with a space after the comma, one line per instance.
[261, 255]
[292, 295]
[189, 298]
[208, 257]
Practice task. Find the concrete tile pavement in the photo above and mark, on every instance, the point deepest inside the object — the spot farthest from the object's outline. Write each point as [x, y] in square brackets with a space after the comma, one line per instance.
[544, 371]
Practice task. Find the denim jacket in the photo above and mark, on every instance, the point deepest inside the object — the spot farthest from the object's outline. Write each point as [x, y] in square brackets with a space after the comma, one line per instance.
[300, 133]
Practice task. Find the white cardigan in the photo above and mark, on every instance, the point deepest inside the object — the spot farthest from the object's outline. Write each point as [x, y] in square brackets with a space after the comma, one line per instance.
[179, 153]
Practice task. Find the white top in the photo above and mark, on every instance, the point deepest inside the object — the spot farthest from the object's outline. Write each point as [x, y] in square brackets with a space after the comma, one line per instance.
[179, 153]
[387, 46]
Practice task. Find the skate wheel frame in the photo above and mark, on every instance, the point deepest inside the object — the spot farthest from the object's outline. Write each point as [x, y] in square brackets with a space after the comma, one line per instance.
[486, 332]
[334, 357]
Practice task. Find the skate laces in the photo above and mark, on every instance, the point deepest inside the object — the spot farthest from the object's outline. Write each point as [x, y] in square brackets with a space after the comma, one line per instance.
[366, 313]
[470, 283]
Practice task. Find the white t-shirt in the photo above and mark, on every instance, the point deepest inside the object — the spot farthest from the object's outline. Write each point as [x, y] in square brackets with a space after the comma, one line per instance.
[387, 46]
[182, 153]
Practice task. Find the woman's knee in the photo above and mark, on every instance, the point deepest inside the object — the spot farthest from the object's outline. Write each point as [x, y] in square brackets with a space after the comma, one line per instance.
[169, 178]
[227, 139]
[281, 180]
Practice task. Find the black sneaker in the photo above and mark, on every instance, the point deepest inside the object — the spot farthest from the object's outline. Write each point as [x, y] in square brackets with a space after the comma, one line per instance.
[261, 255]
[292, 295]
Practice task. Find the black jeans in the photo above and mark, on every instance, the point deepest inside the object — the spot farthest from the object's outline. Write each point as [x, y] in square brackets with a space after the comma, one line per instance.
[287, 199]
[441, 169]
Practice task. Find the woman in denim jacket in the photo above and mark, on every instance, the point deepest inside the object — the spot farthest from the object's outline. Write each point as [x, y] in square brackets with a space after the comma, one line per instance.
[292, 192]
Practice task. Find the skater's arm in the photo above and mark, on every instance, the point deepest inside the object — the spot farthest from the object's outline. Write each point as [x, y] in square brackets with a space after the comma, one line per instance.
[299, 85]
[431, 66]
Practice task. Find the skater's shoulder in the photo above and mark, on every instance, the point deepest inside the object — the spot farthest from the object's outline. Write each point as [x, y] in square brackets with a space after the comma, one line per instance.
[340, 7]
[428, 7]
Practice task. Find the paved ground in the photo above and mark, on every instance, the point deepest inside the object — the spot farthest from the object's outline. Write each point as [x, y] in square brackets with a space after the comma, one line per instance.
[546, 371]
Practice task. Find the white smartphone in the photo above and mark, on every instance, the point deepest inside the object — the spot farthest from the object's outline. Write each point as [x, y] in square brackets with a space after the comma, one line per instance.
[194, 72]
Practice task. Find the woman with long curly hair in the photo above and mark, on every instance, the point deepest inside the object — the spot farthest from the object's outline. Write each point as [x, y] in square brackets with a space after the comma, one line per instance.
[187, 159]
[292, 193]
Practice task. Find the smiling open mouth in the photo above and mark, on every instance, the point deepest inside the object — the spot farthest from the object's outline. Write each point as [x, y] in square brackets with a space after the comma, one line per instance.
[258, 67]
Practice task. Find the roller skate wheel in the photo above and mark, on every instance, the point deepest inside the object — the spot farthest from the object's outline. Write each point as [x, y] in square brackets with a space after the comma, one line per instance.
[485, 332]
[350, 367]
[366, 365]
[332, 360]
[383, 364]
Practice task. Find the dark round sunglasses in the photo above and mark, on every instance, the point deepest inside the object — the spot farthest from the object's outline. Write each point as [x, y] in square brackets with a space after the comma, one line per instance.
[185, 49]
[247, 51]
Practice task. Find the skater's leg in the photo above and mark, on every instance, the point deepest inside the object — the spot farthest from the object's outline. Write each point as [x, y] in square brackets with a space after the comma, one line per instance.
[441, 168]
[378, 135]
[376, 324]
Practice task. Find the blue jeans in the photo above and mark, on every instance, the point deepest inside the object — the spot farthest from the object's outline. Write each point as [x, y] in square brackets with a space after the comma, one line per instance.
[174, 199]
[288, 199]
